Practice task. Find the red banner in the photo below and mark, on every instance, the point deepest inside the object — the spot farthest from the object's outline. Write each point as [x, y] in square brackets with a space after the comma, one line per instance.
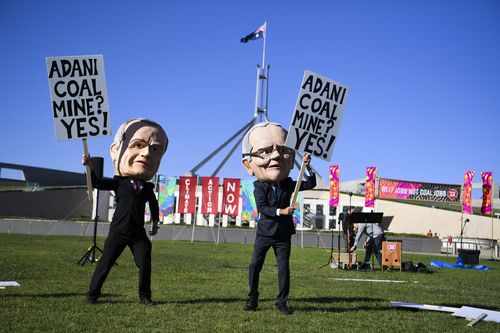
[210, 195]
[371, 175]
[467, 202]
[487, 184]
[187, 195]
[334, 185]
[231, 197]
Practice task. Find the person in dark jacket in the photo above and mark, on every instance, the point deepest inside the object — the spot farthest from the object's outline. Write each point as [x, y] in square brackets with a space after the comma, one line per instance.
[348, 227]
[136, 152]
[265, 157]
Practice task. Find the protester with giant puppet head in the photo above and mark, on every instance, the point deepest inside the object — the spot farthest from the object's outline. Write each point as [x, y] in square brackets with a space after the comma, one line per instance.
[266, 158]
[136, 152]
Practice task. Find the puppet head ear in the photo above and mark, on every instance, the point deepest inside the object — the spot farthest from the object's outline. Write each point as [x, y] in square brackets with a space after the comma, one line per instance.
[246, 165]
[114, 152]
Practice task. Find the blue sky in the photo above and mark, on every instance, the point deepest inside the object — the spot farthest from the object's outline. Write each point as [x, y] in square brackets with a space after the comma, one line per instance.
[424, 78]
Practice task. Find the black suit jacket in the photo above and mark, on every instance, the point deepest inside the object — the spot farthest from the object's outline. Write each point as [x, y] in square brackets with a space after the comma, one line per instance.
[130, 205]
[269, 223]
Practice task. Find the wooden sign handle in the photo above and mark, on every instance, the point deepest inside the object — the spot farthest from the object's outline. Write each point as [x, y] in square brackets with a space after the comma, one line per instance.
[87, 168]
[299, 181]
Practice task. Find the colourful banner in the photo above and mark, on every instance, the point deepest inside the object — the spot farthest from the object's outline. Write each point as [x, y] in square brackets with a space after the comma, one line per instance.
[166, 199]
[231, 196]
[371, 175]
[405, 190]
[187, 195]
[467, 202]
[296, 212]
[210, 195]
[334, 185]
[487, 184]
[248, 205]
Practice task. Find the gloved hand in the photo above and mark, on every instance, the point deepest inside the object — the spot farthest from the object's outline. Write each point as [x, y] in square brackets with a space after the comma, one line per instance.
[353, 248]
[154, 228]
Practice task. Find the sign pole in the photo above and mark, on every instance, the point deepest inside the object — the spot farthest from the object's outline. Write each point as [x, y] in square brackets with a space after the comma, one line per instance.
[297, 185]
[87, 168]
[218, 227]
[492, 219]
[194, 226]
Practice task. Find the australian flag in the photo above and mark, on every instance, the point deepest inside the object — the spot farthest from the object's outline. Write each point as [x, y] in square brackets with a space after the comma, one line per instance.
[259, 33]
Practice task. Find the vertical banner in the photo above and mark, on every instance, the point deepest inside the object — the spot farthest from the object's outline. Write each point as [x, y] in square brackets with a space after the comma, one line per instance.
[166, 199]
[231, 196]
[334, 185]
[79, 98]
[296, 213]
[248, 205]
[487, 184]
[210, 195]
[187, 195]
[371, 175]
[467, 202]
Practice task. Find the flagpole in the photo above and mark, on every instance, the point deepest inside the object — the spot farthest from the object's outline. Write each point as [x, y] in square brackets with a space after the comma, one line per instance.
[262, 75]
[492, 221]
[264, 47]
[492, 215]
[257, 93]
[218, 227]
[375, 190]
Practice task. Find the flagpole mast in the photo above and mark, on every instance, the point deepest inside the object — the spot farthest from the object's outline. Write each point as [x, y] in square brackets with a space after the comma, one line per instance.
[492, 221]
[262, 78]
[492, 214]
[256, 114]
[264, 47]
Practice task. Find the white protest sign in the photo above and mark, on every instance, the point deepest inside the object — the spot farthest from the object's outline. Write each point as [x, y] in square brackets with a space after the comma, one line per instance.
[79, 98]
[317, 116]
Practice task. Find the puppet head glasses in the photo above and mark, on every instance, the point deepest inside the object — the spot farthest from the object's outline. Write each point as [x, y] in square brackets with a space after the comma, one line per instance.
[267, 152]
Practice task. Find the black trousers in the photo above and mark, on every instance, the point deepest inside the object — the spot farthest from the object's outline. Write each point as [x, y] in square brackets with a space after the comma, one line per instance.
[374, 246]
[348, 241]
[140, 245]
[282, 249]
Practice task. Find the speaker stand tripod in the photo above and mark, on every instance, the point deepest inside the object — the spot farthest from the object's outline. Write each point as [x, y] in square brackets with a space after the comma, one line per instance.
[94, 250]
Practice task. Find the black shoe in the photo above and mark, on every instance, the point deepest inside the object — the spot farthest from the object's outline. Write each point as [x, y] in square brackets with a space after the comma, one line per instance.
[251, 305]
[91, 300]
[146, 301]
[283, 309]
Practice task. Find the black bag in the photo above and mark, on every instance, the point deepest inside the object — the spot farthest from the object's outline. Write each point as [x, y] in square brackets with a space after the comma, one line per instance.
[421, 268]
[408, 267]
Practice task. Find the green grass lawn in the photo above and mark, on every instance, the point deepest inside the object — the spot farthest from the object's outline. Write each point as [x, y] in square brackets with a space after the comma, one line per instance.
[201, 287]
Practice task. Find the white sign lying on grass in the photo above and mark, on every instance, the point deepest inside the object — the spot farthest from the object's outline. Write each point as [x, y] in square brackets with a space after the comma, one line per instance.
[464, 311]
[4, 284]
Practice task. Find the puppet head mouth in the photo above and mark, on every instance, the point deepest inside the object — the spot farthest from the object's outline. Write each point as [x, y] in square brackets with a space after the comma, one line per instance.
[274, 166]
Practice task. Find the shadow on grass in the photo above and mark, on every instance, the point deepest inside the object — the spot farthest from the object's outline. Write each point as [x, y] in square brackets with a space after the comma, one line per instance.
[338, 304]
[327, 300]
[204, 301]
[314, 300]
[56, 295]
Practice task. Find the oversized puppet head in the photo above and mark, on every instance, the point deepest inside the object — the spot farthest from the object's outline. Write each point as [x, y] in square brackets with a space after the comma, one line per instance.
[264, 154]
[138, 147]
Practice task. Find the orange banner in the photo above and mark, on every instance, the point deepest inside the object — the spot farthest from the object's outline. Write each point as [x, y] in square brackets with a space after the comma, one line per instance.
[371, 175]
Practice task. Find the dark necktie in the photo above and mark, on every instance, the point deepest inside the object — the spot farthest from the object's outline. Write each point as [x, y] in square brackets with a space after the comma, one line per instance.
[134, 186]
[276, 192]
